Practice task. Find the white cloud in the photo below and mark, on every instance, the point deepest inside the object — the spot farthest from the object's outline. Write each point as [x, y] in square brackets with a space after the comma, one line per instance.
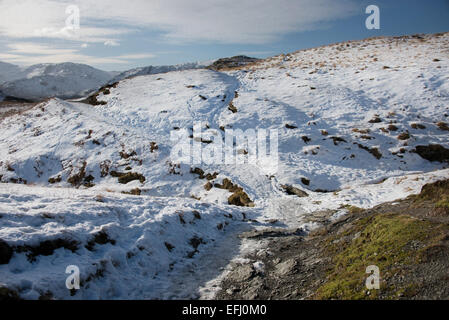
[137, 56]
[28, 53]
[111, 43]
[242, 21]
[36, 49]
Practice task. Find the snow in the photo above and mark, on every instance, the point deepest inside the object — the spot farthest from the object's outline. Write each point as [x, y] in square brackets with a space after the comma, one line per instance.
[159, 70]
[338, 89]
[137, 265]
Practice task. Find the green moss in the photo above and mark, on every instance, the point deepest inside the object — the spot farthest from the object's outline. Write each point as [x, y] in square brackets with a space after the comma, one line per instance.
[382, 240]
[436, 191]
[444, 203]
[352, 209]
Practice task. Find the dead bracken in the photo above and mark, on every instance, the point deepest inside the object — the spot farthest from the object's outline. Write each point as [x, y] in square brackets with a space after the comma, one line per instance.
[125, 178]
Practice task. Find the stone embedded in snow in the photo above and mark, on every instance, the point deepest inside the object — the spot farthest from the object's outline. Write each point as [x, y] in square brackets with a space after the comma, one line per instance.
[293, 191]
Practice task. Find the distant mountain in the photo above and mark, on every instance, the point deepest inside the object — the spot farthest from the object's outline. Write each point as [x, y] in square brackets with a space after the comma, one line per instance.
[65, 80]
[9, 72]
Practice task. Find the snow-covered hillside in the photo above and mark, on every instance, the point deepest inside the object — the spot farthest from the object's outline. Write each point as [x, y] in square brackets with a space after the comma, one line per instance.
[149, 70]
[65, 80]
[350, 119]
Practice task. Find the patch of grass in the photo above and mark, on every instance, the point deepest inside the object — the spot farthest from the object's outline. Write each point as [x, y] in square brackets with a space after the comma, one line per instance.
[417, 126]
[374, 151]
[392, 127]
[78, 178]
[433, 191]
[433, 152]
[437, 193]
[382, 240]
[404, 136]
[241, 199]
[208, 186]
[47, 248]
[352, 209]
[306, 139]
[100, 238]
[55, 180]
[125, 155]
[443, 204]
[232, 108]
[337, 140]
[133, 192]
[239, 196]
[202, 175]
[443, 126]
[376, 119]
[361, 131]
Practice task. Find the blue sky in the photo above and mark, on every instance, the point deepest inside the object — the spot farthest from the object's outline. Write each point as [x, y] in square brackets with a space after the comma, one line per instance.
[118, 35]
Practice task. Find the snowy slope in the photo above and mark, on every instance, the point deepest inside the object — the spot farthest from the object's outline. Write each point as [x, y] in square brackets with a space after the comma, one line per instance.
[149, 70]
[65, 80]
[339, 111]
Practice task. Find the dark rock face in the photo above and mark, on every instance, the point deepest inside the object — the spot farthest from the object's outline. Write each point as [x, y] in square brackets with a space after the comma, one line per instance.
[234, 62]
[5, 252]
[433, 152]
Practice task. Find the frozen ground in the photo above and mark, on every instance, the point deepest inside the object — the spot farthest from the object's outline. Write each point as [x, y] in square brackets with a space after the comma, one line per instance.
[339, 111]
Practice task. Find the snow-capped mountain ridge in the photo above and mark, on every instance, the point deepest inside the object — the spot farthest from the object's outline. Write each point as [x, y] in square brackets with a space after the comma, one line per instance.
[65, 80]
